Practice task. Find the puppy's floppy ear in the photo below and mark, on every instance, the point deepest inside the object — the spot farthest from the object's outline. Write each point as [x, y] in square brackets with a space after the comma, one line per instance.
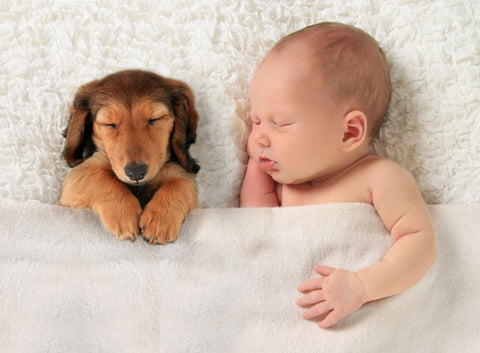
[185, 126]
[78, 134]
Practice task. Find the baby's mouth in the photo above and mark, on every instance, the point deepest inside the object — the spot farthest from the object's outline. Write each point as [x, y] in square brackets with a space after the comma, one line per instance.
[266, 164]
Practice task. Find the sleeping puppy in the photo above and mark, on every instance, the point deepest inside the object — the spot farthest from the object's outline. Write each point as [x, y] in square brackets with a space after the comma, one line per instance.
[127, 142]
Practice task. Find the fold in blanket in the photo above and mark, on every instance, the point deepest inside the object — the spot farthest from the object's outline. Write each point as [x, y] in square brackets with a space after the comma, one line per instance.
[228, 284]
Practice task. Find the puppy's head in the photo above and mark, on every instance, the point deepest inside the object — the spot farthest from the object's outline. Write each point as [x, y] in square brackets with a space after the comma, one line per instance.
[138, 119]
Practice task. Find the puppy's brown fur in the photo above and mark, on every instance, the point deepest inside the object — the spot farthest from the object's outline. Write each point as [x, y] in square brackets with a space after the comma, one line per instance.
[127, 142]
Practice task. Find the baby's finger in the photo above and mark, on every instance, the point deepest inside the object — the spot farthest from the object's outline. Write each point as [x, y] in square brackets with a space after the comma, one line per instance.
[323, 270]
[317, 310]
[330, 320]
[310, 285]
[311, 298]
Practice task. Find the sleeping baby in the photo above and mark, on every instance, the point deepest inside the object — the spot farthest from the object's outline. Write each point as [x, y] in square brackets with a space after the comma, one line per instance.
[317, 101]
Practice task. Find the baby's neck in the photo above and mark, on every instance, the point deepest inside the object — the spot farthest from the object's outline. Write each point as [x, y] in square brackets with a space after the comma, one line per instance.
[343, 170]
[342, 185]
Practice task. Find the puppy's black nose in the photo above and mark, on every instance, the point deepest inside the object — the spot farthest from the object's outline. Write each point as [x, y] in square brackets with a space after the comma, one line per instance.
[135, 171]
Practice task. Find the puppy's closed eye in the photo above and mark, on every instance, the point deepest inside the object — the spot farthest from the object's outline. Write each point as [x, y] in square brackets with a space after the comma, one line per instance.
[154, 120]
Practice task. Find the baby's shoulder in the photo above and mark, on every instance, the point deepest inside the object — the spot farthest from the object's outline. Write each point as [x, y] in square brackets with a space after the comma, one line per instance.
[385, 172]
[375, 163]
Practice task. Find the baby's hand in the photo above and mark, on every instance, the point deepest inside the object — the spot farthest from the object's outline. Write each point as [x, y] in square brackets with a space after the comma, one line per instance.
[258, 188]
[338, 291]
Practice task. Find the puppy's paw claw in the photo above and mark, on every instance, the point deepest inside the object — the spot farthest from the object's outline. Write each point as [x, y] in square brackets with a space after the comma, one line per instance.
[159, 227]
[127, 236]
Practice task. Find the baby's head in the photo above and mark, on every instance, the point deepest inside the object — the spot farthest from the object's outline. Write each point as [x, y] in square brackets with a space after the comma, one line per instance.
[351, 64]
[318, 93]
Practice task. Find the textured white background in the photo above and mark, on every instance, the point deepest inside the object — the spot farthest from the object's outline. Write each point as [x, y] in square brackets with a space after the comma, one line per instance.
[49, 48]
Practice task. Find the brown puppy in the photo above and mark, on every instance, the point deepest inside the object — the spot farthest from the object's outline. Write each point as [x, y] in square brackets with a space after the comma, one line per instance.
[127, 141]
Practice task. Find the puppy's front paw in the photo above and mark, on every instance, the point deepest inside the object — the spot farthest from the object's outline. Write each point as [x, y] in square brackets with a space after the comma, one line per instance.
[160, 225]
[121, 218]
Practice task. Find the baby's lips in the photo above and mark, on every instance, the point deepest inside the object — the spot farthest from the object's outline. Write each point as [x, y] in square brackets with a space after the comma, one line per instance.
[266, 164]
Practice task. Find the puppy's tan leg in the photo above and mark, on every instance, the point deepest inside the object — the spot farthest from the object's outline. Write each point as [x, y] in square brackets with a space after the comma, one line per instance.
[92, 184]
[165, 213]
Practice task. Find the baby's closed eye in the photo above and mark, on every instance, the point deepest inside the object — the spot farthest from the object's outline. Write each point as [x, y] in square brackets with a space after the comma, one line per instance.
[281, 124]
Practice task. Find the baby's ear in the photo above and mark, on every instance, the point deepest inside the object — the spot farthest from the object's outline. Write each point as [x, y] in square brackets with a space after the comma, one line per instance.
[354, 128]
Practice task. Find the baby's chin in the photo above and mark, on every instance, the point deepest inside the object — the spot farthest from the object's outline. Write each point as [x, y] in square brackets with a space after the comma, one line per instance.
[280, 176]
[289, 180]
[282, 179]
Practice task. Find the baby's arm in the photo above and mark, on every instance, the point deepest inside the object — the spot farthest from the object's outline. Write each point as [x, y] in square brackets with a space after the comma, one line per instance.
[400, 205]
[258, 188]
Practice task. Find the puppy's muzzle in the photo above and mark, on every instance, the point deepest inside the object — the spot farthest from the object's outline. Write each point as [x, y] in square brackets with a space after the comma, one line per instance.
[135, 171]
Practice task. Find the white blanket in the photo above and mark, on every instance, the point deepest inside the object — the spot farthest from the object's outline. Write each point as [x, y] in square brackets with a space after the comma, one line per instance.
[227, 285]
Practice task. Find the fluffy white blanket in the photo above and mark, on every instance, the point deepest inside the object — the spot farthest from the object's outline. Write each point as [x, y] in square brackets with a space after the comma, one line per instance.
[227, 285]
[229, 282]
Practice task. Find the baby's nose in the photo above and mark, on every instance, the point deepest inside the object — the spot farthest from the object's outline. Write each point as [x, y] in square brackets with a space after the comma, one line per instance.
[262, 140]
